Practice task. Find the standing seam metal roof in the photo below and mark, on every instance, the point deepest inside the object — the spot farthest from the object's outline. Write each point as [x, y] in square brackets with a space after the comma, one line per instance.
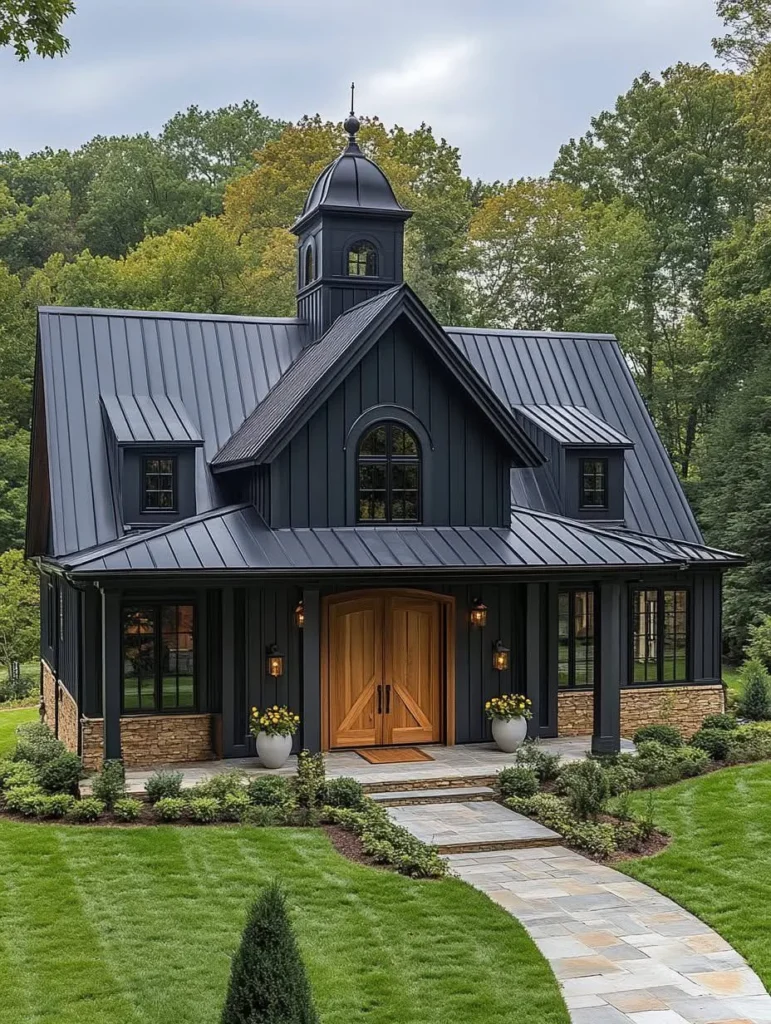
[149, 418]
[573, 425]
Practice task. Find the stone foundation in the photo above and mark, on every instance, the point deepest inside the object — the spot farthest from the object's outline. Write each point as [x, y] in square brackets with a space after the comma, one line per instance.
[682, 706]
[54, 691]
[151, 740]
[49, 697]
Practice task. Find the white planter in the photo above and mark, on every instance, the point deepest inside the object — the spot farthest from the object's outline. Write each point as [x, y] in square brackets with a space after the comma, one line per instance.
[273, 750]
[509, 735]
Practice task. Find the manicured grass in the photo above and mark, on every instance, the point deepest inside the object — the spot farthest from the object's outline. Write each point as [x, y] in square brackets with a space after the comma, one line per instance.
[138, 925]
[718, 865]
[8, 722]
[731, 679]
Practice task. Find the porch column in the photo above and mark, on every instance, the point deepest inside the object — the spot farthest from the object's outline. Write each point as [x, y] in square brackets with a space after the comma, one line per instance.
[111, 673]
[606, 738]
[534, 661]
[311, 670]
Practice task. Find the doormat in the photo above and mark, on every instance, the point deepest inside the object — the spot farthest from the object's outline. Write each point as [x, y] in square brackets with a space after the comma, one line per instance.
[392, 755]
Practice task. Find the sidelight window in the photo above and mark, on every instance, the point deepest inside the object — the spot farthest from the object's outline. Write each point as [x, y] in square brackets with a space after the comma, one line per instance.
[576, 661]
[660, 636]
[389, 475]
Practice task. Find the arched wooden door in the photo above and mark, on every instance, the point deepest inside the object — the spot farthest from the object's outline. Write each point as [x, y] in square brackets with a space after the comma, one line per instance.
[385, 669]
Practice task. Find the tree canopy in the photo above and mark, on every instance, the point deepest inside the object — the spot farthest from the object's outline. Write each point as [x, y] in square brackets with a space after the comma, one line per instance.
[34, 26]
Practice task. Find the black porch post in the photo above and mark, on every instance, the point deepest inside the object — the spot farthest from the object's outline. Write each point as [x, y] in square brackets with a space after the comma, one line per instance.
[534, 662]
[606, 738]
[311, 677]
[111, 673]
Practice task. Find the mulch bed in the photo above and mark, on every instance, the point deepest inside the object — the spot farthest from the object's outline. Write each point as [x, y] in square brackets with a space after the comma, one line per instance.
[349, 845]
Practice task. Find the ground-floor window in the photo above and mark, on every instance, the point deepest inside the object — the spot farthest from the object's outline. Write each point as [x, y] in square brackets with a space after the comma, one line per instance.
[660, 635]
[158, 657]
[576, 638]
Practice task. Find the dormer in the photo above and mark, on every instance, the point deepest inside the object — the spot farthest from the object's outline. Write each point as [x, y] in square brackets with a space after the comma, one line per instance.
[586, 458]
[151, 445]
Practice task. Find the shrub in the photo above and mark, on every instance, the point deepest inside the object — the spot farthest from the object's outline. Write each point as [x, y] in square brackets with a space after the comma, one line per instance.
[55, 805]
[88, 809]
[343, 792]
[596, 839]
[233, 806]
[203, 809]
[691, 761]
[24, 799]
[37, 744]
[18, 773]
[163, 784]
[755, 701]
[309, 783]
[269, 791]
[127, 809]
[62, 774]
[748, 744]
[264, 817]
[667, 735]
[169, 808]
[268, 984]
[658, 765]
[18, 689]
[109, 784]
[218, 786]
[546, 766]
[517, 781]
[389, 843]
[586, 788]
[715, 742]
[721, 721]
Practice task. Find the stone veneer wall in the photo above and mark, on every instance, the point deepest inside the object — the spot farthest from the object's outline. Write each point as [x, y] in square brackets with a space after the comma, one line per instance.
[68, 709]
[682, 706]
[151, 740]
[49, 696]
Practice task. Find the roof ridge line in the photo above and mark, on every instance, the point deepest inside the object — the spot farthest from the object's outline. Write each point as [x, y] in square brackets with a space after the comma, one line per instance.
[167, 314]
[517, 332]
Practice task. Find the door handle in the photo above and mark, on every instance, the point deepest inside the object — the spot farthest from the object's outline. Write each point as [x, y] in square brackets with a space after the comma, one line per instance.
[380, 699]
[388, 698]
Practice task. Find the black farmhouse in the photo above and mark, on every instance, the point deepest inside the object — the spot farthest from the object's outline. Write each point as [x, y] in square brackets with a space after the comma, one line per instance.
[376, 520]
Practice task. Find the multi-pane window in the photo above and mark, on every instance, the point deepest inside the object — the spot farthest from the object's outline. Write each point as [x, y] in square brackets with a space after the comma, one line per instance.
[158, 657]
[659, 636]
[593, 480]
[575, 663]
[159, 477]
[362, 260]
[389, 475]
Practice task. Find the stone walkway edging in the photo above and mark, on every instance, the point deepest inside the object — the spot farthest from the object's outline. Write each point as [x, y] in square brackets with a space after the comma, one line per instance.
[622, 952]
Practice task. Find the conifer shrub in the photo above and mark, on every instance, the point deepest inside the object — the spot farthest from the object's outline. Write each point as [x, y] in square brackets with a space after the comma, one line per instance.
[755, 700]
[268, 983]
[716, 742]
[109, 785]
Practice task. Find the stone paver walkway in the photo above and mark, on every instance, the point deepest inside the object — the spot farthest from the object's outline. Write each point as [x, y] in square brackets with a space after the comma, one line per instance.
[623, 953]
[463, 825]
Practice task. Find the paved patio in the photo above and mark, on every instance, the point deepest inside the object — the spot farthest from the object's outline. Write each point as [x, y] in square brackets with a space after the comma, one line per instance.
[462, 826]
[469, 761]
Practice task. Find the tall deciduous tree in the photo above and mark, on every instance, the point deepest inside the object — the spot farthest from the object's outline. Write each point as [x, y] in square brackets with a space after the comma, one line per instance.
[19, 609]
[34, 26]
[749, 31]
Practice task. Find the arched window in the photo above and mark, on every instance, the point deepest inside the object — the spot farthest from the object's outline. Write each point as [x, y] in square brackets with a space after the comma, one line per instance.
[388, 467]
[362, 260]
[310, 269]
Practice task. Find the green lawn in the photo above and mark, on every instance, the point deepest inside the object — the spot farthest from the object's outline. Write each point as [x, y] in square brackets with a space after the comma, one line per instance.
[718, 865]
[731, 679]
[8, 722]
[138, 925]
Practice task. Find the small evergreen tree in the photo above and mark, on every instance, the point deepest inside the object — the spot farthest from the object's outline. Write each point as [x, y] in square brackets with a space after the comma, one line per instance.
[268, 984]
[756, 692]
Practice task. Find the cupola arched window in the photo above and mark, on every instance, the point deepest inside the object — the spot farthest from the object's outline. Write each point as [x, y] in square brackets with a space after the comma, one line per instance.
[362, 260]
[388, 475]
[309, 273]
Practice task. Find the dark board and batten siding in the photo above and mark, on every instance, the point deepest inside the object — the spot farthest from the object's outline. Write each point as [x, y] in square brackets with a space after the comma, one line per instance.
[465, 473]
[706, 626]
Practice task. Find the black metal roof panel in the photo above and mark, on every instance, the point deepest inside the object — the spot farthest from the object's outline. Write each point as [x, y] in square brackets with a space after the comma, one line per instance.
[219, 368]
[353, 181]
[143, 419]
[237, 539]
[573, 426]
[538, 368]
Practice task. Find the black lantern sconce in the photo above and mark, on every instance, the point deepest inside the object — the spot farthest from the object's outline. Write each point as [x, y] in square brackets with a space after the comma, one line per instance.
[299, 615]
[500, 656]
[478, 613]
[275, 661]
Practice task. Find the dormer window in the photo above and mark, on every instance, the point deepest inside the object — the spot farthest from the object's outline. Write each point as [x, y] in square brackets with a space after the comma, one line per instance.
[159, 484]
[593, 483]
[362, 260]
[389, 475]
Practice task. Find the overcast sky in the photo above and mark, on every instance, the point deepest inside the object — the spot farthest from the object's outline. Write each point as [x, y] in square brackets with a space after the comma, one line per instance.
[506, 80]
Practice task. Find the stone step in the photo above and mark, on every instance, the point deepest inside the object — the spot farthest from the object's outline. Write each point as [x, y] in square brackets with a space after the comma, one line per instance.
[449, 795]
[407, 784]
[472, 826]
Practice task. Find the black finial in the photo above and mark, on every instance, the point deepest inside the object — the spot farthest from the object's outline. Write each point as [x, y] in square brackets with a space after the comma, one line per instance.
[352, 123]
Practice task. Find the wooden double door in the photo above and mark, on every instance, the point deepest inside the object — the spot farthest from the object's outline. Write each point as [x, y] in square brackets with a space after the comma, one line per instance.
[384, 669]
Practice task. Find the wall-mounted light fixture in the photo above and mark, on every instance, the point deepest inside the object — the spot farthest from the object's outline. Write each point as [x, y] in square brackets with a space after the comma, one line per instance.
[500, 656]
[478, 614]
[299, 615]
[275, 661]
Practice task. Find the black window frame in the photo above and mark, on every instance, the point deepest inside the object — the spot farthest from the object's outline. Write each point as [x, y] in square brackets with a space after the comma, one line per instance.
[157, 606]
[660, 636]
[389, 461]
[309, 264]
[363, 247]
[583, 505]
[571, 683]
[146, 509]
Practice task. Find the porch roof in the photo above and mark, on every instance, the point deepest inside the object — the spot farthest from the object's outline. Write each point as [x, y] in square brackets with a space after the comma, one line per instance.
[236, 539]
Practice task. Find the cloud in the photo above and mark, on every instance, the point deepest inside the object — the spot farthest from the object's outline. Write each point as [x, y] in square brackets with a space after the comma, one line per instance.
[436, 72]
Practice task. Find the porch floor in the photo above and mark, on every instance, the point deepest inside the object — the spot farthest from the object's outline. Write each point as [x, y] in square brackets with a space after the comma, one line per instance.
[450, 765]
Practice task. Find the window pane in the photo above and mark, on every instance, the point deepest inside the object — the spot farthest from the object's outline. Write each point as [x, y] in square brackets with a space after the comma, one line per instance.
[583, 637]
[158, 485]
[645, 605]
[372, 476]
[404, 476]
[675, 645]
[362, 260]
[563, 655]
[594, 492]
[389, 475]
[403, 442]
[374, 443]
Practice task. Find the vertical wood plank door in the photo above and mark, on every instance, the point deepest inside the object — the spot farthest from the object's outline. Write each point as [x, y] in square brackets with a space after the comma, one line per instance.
[356, 671]
[413, 671]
